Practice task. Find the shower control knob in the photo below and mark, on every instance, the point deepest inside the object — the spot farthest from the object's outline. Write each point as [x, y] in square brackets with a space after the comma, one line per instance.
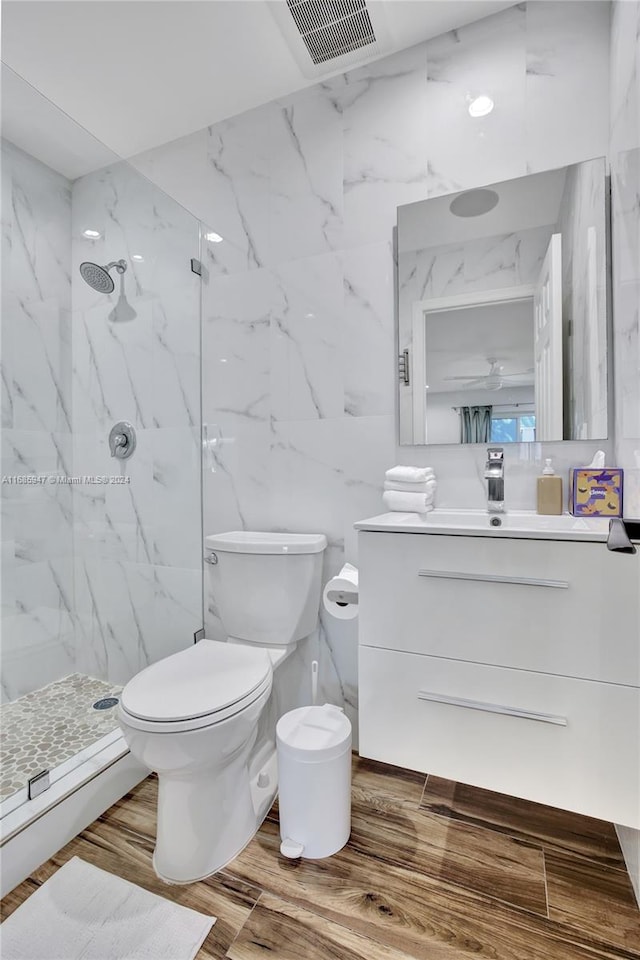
[122, 440]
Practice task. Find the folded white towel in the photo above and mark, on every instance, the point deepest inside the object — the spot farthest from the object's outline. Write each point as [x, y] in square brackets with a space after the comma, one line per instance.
[407, 502]
[426, 486]
[409, 474]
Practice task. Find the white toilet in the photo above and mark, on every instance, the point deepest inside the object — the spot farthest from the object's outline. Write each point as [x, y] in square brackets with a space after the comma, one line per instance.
[193, 717]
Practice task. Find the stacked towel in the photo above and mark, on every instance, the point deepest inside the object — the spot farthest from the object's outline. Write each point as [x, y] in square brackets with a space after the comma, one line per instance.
[409, 489]
[396, 501]
[409, 474]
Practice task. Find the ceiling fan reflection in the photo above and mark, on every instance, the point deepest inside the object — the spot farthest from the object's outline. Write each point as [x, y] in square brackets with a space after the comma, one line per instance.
[495, 379]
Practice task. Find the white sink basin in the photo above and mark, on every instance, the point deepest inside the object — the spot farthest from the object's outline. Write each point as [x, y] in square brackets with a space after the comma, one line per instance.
[522, 524]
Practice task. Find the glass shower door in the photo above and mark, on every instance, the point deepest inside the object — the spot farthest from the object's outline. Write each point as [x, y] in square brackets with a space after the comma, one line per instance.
[101, 556]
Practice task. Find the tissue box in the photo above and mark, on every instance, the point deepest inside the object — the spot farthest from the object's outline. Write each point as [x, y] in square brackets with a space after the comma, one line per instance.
[596, 492]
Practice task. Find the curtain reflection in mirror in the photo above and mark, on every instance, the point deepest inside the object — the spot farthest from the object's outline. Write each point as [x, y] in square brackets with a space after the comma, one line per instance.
[475, 424]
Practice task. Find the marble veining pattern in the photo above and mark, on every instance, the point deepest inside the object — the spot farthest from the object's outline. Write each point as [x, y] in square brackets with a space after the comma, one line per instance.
[368, 324]
[138, 545]
[385, 142]
[625, 200]
[48, 726]
[37, 520]
[298, 321]
[303, 192]
[624, 154]
[488, 56]
[559, 85]
[102, 579]
[584, 307]
[305, 196]
[298, 314]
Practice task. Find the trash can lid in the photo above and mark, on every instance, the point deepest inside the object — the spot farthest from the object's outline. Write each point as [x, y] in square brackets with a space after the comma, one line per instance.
[314, 734]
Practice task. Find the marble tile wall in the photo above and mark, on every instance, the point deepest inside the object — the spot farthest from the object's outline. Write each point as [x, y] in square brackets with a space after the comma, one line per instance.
[584, 299]
[97, 578]
[540, 75]
[37, 530]
[624, 153]
[298, 322]
[298, 319]
[138, 544]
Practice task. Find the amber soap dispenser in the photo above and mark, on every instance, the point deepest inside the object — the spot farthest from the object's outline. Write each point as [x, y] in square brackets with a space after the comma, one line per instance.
[549, 491]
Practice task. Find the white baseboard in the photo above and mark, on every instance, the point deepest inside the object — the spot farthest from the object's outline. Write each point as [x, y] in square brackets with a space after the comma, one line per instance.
[26, 848]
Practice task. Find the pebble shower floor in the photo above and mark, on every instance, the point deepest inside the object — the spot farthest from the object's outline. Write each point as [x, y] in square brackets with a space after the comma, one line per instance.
[48, 726]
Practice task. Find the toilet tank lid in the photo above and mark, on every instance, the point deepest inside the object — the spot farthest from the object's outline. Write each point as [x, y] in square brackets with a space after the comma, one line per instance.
[251, 541]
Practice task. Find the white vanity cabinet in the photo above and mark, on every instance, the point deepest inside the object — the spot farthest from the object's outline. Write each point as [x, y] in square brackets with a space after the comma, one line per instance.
[504, 662]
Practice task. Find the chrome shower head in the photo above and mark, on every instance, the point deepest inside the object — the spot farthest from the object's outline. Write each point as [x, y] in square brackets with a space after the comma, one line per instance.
[98, 277]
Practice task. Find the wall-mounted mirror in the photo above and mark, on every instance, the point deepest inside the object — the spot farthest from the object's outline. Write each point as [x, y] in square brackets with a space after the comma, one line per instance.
[502, 311]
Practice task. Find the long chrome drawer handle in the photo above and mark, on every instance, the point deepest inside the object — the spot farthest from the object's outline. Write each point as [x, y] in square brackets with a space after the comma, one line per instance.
[492, 708]
[494, 578]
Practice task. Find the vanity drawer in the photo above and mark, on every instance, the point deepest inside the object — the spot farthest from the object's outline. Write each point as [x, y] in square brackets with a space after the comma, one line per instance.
[565, 742]
[543, 605]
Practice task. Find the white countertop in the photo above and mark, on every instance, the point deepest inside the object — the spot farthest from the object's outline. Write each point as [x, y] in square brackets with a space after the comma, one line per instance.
[516, 524]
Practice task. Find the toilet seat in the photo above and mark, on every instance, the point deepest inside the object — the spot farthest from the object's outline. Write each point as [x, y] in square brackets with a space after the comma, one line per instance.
[197, 687]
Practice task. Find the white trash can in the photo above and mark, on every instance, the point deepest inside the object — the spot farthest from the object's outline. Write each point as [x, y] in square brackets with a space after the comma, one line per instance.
[314, 781]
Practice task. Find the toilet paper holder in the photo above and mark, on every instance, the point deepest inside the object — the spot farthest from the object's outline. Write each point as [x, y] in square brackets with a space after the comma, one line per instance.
[342, 597]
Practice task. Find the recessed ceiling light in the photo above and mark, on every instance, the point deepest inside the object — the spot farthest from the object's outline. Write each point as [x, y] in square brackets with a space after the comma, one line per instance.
[213, 237]
[138, 257]
[481, 106]
[473, 203]
[91, 234]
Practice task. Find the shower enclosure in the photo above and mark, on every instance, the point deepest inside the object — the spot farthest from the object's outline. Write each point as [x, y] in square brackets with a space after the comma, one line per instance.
[101, 553]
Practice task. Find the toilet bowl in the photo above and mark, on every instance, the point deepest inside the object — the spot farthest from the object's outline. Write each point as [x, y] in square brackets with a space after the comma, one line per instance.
[193, 717]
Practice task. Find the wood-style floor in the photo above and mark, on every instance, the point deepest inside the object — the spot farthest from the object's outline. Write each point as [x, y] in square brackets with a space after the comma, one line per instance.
[434, 870]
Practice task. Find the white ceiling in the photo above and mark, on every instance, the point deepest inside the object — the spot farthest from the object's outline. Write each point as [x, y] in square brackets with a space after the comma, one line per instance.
[31, 122]
[139, 73]
[524, 203]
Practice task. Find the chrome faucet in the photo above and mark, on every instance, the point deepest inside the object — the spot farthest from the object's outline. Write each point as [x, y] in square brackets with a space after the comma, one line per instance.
[494, 474]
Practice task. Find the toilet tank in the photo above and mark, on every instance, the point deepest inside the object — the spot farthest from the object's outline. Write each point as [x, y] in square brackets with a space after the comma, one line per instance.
[266, 586]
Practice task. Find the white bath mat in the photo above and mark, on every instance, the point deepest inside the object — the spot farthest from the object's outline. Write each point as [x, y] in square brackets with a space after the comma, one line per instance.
[84, 912]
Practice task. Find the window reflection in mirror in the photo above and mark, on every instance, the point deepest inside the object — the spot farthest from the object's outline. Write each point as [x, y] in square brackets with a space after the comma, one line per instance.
[502, 307]
[519, 428]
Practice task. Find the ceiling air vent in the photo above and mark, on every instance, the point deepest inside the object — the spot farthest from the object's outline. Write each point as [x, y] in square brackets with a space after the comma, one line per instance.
[327, 36]
[331, 28]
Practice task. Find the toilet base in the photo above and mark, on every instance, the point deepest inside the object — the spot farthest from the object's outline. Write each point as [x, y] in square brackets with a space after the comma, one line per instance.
[194, 852]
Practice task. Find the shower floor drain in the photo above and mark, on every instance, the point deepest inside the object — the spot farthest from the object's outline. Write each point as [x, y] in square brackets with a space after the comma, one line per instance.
[106, 703]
